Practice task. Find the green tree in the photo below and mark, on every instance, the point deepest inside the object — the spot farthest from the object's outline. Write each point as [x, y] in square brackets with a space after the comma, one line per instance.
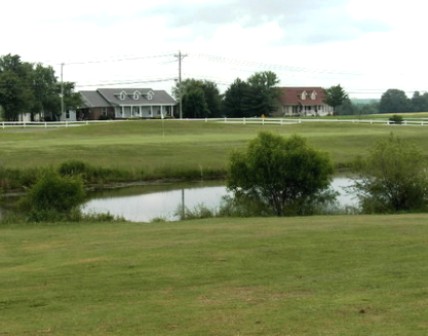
[346, 108]
[45, 88]
[286, 176]
[194, 104]
[236, 100]
[393, 101]
[335, 96]
[264, 93]
[16, 94]
[210, 94]
[419, 102]
[392, 178]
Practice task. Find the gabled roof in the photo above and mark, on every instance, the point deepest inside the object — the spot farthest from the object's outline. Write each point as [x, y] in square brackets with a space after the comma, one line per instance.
[93, 99]
[293, 96]
[126, 96]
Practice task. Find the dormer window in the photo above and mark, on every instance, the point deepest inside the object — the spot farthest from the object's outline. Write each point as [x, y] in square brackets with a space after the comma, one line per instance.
[122, 95]
[313, 95]
[136, 95]
[150, 95]
[304, 95]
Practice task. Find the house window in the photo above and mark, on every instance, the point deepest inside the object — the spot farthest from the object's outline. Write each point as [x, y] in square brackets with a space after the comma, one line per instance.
[150, 95]
[136, 95]
[135, 110]
[104, 112]
[122, 95]
[313, 95]
[303, 95]
[67, 114]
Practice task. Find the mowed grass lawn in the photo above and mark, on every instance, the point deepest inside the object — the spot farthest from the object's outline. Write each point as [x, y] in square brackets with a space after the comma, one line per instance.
[340, 275]
[154, 145]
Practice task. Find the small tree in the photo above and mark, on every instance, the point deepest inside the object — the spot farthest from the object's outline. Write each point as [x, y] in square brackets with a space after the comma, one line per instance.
[335, 96]
[285, 175]
[392, 178]
[54, 195]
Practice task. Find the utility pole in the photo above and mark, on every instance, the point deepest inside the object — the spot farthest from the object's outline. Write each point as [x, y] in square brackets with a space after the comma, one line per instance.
[180, 57]
[62, 89]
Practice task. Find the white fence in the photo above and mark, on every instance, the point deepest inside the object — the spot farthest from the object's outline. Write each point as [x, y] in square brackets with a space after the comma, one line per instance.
[49, 124]
[288, 121]
[242, 121]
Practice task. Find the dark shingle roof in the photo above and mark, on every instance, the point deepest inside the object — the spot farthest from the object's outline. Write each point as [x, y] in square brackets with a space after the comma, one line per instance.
[93, 99]
[126, 96]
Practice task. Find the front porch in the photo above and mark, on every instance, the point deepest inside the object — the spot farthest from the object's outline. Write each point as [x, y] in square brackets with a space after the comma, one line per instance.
[156, 111]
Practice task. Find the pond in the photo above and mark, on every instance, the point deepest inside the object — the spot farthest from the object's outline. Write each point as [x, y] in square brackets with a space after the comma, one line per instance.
[143, 204]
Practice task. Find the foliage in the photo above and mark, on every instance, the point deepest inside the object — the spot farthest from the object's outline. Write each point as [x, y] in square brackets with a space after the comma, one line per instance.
[73, 168]
[392, 178]
[16, 95]
[53, 194]
[263, 94]
[419, 102]
[32, 88]
[396, 119]
[346, 108]
[335, 96]
[198, 212]
[45, 88]
[236, 102]
[393, 101]
[200, 99]
[285, 175]
[194, 104]
[255, 97]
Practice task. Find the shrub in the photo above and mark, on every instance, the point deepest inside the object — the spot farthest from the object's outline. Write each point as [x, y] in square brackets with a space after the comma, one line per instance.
[392, 178]
[286, 176]
[396, 119]
[54, 193]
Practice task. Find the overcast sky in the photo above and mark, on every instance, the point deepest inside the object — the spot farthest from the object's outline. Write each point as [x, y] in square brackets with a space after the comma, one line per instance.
[367, 46]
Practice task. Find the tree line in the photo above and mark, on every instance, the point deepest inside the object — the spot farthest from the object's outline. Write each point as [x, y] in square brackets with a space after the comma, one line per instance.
[256, 96]
[32, 88]
[391, 101]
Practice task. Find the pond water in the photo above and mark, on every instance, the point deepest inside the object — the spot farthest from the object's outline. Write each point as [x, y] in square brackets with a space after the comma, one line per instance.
[143, 204]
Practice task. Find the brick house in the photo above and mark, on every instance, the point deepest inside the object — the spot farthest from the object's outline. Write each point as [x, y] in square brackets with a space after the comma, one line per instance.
[127, 103]
[303, 101]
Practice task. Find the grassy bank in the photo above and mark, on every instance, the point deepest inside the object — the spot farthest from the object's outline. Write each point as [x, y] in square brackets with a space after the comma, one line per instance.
[353, 275]
[154, 148]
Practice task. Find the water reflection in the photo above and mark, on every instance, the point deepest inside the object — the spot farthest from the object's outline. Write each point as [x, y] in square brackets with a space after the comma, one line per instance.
[147, 203]
[164, 204]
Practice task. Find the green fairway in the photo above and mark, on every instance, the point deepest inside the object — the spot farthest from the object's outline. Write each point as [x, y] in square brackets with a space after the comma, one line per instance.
[157, 147]
[341, 275]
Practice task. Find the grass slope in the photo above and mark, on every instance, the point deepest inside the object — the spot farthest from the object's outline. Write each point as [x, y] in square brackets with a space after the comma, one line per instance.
[342, 275]
[155, 146]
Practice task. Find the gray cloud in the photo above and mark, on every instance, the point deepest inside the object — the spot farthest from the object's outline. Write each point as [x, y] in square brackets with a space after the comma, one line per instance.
[303, 21]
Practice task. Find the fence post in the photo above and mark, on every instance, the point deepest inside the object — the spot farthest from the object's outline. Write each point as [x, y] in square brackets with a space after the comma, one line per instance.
[244, 121]
[3, 124]
[225, 119]
[46, 124]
